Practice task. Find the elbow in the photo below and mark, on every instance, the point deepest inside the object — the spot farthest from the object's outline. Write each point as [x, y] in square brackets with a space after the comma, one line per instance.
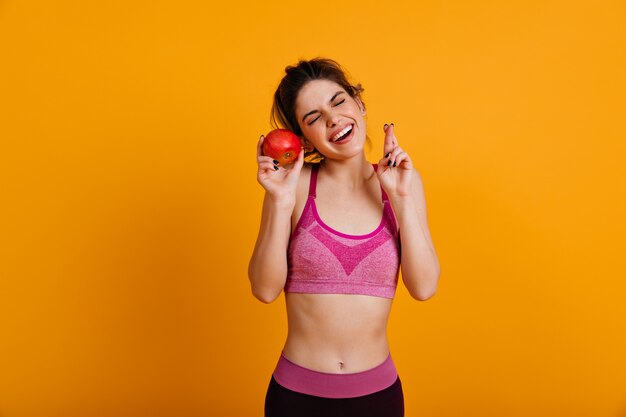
[423, 296]
[266, 288]
[427, 292]
[265, 295]
[259, 291]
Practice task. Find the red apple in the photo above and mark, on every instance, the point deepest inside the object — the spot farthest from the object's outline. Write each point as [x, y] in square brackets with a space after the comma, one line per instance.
[282, 145]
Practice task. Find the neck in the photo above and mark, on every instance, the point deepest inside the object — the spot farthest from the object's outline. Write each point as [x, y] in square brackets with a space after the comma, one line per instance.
[352, 172]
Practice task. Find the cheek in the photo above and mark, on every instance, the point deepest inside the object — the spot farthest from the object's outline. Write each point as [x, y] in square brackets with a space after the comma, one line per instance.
[303, 128]
[312, 133]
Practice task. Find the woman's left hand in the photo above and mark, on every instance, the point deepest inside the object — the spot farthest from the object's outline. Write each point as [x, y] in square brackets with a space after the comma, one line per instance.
[395, 169]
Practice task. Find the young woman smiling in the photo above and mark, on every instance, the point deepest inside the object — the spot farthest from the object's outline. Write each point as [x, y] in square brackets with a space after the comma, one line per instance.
[330, 239]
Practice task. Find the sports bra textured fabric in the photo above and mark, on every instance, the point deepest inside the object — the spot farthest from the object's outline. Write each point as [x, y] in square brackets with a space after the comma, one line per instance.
[322, 260]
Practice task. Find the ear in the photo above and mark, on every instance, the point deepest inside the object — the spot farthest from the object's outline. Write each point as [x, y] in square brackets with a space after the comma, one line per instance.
[308, 147]
[360, 103]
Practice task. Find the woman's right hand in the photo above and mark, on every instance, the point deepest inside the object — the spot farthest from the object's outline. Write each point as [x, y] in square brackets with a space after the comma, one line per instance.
[279, 182]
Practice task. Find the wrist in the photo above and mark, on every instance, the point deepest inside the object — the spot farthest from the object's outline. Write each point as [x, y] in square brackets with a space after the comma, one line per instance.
[402, 204]
[282, 203]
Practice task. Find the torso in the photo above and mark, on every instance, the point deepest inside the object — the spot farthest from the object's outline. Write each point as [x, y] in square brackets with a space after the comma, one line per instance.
[338, 333]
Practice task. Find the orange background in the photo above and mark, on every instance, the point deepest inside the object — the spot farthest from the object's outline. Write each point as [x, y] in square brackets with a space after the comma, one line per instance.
[129, 204]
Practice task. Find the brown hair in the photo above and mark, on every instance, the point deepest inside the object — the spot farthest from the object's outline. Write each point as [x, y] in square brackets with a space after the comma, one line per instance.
[296, 76]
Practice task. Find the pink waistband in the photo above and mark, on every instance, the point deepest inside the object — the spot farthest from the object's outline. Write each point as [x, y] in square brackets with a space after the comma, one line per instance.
[330, 385]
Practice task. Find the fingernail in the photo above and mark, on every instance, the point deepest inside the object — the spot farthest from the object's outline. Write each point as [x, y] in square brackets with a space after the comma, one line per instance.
[388, 163]
[275, 162]
[261, 137]
[394, 164]
[387, 156]
[275, 168]
[386, 125]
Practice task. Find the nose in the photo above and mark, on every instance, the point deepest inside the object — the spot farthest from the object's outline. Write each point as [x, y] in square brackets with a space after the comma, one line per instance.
[332, 120]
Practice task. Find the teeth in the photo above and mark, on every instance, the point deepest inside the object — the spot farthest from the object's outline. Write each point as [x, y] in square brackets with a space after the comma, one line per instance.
[343, 132]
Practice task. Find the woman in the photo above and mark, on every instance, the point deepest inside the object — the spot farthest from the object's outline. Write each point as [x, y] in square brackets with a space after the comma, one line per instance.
[330, 238]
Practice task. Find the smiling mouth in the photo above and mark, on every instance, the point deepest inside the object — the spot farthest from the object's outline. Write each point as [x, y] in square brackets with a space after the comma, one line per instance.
[343, 134]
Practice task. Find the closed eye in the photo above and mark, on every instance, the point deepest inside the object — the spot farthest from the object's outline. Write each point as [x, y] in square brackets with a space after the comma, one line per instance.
[313, 121]
[335, 105]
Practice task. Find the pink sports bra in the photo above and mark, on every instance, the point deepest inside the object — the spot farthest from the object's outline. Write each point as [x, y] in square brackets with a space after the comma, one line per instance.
[322, 260]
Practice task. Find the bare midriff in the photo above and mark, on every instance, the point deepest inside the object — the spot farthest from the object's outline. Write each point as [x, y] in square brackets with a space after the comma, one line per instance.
[337, 333]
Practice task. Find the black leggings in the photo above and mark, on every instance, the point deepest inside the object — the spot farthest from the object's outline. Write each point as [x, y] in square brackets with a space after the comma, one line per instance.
[282, 402]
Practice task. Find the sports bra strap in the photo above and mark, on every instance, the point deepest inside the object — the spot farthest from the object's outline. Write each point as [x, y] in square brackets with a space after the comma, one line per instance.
[313, 182]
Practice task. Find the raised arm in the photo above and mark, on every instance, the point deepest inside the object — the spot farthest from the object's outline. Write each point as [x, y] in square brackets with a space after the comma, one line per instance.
[403, 184]
[267, 269]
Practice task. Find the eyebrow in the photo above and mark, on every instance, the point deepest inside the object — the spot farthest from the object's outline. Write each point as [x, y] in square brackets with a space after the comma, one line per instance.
[315, 111]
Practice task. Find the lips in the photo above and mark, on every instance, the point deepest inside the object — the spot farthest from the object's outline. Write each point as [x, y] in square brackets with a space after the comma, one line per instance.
[346, 137]
[341, 134]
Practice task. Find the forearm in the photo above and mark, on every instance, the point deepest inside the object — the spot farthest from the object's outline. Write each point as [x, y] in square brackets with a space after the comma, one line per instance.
[419, 262]
[267, 270]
